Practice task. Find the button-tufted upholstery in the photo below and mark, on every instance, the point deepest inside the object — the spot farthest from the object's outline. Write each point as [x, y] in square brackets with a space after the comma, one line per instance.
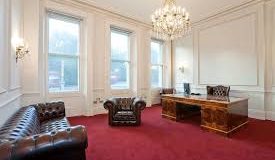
[124, 111]
[42, 132]
[49, 111]
[168, 91]
[53, 125]
[218, 90]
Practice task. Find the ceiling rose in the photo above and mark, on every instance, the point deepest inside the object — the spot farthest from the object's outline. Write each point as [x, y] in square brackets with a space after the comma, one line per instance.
[171, 21]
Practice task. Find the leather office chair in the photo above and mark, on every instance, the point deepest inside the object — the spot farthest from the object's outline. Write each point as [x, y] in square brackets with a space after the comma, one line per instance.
[218, 90]
[167, 91]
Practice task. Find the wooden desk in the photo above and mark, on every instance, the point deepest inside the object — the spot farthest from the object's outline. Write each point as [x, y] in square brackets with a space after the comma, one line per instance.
[218, 114]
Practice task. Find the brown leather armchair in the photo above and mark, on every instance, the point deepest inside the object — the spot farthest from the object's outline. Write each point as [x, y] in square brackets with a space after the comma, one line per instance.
[218, 90]
[42, 132]
[124, 111]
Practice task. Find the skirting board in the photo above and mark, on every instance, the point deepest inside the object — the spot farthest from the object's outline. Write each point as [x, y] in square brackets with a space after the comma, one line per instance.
[257, 114]
[270, 115]
[99, 110]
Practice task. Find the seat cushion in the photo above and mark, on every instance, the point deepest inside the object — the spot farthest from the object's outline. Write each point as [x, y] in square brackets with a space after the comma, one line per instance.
[54, 125]
[125, 116]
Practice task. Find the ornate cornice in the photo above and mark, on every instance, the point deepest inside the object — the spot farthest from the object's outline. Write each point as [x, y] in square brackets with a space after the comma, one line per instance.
[105, 11]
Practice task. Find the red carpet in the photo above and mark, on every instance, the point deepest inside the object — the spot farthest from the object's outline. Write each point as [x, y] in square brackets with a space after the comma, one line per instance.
[162, 139]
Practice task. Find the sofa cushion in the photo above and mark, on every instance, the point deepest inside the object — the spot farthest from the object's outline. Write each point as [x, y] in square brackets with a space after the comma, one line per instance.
[54, 125]
[23, 123]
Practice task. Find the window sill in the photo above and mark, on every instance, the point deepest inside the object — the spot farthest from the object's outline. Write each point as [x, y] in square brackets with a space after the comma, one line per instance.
[64, 94]
[156, 88]
[120, 91]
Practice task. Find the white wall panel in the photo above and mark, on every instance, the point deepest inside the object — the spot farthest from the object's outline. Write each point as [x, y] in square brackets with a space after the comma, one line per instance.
[270, 61]
[31, 62]
[230, 49]
[3, 46]
[10, 11]
[183, 57]
[227, 53]
[273, 45]
[16, 32]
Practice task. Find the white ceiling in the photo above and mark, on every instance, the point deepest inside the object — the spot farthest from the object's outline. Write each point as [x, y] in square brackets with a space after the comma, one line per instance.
[142, 9]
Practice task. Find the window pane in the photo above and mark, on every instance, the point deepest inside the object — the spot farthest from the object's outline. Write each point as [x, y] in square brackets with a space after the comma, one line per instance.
[120, 75]
[63, 73]
[156, 76]
[119, 46]
[156, 53]
[63, 56]
[63, 37]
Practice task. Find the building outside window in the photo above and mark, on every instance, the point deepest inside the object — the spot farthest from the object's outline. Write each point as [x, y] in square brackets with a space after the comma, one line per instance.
[120, 59]
[63, 53]
[156, 64]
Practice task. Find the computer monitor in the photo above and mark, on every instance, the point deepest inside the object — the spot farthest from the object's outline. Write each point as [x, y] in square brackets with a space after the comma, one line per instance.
[186, 87]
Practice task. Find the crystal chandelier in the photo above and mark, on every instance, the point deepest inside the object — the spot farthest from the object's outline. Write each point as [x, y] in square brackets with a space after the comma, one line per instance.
[170, 22]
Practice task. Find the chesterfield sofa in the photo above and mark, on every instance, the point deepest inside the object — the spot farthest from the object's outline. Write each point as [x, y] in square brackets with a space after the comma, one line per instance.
[42, 132]
[124, 111]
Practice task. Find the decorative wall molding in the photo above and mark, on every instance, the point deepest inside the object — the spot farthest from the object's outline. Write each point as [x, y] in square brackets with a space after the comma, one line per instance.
[229, 11]
[261, 102]
[5, 103]
[135, 19]
[10, 95]
[14, 88]
[101, 10]
[31, 94]
[2, 90]
[227, 19]
[272, 47]
[247, 90]
[98, 89]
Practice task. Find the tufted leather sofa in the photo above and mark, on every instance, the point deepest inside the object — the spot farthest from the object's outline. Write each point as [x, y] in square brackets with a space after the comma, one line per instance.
[124, 110]
[42, 132]
[218, 90]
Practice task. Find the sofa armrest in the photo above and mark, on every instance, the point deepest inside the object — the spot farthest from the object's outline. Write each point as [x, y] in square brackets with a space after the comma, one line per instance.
[139, 103]
[109, 103]
[47, 111]
[45, 145]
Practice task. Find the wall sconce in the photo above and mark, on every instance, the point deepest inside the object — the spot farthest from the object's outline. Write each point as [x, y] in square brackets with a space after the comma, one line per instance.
[21, 49]
[181, 69]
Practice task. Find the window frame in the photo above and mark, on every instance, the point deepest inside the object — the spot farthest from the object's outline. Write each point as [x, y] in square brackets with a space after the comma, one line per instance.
[161, 65]
[129, 60]
[66, 18]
